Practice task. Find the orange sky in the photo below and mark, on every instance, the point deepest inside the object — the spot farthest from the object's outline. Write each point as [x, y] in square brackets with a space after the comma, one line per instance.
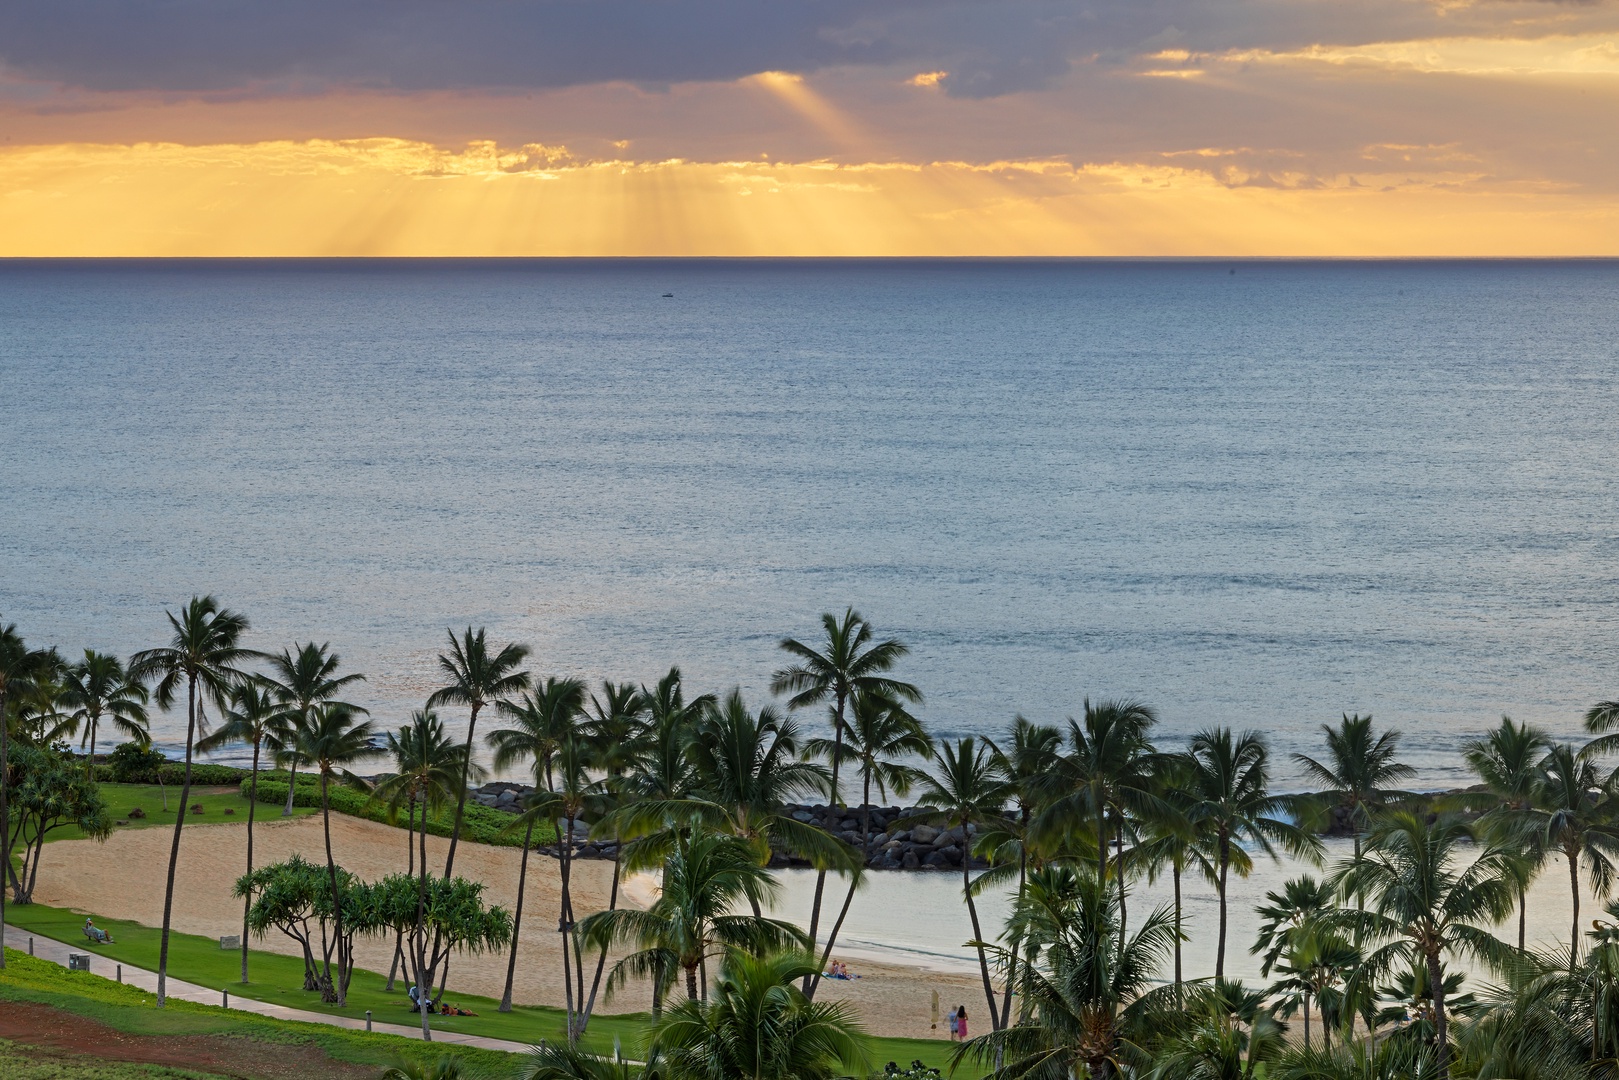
[1481, 130]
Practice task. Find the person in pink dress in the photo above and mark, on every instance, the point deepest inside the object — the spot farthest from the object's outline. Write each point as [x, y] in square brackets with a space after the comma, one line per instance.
[961, 1023]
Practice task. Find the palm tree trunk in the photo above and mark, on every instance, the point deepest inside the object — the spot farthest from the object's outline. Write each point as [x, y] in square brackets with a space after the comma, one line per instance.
[5, 816]
[813, 983]
[292, 786]
[252, 805]
[978, 935]
[410, 871]
[1175, 872]
[1118, 866]
[1436, 981]
[691, 983]
[336, 992]
[1225, 861]
[601, 961]
[1017, 944]
[1574, 890]
[517, 920]
[418, 943]
[461, 798]
[90, 761]
[831, 811]
[174, 848]
[564, 923]
[1306, 1020]
[1523, 915]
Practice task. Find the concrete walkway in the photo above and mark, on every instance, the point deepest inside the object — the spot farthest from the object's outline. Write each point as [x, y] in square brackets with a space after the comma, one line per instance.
[57, 953]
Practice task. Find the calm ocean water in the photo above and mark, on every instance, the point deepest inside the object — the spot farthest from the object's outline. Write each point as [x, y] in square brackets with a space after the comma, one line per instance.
[1257, 494]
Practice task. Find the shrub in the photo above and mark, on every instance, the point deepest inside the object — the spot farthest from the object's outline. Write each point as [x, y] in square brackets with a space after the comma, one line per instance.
[479, 824]
[129, 763]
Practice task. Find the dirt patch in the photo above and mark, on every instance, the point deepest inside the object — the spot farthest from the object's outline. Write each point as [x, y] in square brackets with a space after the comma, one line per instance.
[64, 1033]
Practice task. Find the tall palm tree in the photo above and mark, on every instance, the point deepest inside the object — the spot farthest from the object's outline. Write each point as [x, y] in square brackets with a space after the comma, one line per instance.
[1358, 776]
[305, 679]
[968, 787]
[847, 662]
[1088, 994]
[576, 799]
[38, 704]
[1172, 839]
[204, 653]
[1230, 803]
[1576, 812]
[705, 879]
[98, 689]
[336, 739]
[759, 1026]
[430, 770]
[1424, 905]
[1303, 902]
[17, 662]
[478, 677]
[255, 717]
[541, 722]
[880, 737]
[1314, 962]
[1106, 775]
[1507, 760]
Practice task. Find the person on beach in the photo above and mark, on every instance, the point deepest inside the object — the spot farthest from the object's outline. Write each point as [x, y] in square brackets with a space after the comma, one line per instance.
[95, 934]
[950, 1022]
[961, 1023]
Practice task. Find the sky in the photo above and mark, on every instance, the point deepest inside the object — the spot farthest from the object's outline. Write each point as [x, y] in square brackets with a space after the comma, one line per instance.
[809, 127]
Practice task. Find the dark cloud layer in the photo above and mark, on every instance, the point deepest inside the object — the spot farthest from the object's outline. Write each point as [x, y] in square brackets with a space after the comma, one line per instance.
[990, 47]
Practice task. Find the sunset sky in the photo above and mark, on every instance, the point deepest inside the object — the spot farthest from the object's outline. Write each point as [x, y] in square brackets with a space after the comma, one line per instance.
[809, 127]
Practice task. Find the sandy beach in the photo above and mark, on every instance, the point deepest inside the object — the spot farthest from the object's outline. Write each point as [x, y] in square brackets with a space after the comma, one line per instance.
[122, 878]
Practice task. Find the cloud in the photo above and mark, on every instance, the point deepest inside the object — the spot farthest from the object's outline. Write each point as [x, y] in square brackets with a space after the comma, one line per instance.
[990, 47]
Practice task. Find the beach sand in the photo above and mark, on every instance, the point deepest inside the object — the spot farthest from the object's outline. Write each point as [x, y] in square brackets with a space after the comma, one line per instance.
[123, 879]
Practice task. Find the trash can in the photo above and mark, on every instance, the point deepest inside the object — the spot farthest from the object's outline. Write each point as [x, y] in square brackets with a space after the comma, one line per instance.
[78, 961]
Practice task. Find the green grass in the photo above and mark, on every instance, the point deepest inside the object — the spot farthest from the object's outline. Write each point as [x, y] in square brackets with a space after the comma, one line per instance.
[130, 1010]
[479, 823]
[122, 798]
[25, 1064]
[279, 979]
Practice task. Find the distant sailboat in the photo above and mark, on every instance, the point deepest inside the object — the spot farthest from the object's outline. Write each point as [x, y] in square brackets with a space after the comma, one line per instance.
[668, 296]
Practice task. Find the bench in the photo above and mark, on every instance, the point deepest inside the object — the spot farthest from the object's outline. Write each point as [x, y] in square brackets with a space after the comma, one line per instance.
[96, 937]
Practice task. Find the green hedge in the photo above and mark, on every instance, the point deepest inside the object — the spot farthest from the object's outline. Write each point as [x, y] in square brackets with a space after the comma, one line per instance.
[173, 774]
[479, 824]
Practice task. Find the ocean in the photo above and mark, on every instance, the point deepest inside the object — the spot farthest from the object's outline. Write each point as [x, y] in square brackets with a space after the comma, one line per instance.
[1255, 493]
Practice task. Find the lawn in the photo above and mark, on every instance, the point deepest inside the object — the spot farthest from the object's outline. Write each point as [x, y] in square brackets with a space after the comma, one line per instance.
[279, 979]
[130, 1011]
[215, 802]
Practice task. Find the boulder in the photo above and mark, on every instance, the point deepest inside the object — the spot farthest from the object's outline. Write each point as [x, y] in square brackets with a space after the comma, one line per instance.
[802, 816]
[924, 834]
[850, 836]
[910, 861]
[935, 858]
[952, 855]
[879, 840]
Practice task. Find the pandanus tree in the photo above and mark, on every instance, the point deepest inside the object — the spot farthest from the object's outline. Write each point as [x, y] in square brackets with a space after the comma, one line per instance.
[967, 787]
[1575, 812]
[1426, 904]
[881, 739]
[335, 738]
[1507, 760]
[846, 662]
[478, 677]
[17, 662]
[430, 771]
[252, 716]
[99, 691]
[706, 879]
[758, 1025]
[538, 725]
[204, 654]
[1088, 992]
[305, 680]
[1230, 805]
[1105, 776]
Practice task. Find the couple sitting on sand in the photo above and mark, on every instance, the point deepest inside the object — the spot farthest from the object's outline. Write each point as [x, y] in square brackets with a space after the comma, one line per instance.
[840, 970]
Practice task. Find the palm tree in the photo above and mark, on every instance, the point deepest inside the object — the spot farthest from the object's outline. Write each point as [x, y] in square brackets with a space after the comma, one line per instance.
[968, 787]
[1303, 902]
[1314, 961]
[38, 703]
[430, 770]
[759, 1026]
[1088, 991]
[1423, 906]
[98, 689]
[477, 678]
[1507, 760]
[17, 662]
[1106, 775]
[878, 734]
[305, 678]
[577, 798]
[335, 740]
[1229, 803]
[541, 721]
[847, 663]
[705, 879]
[1576, 812]
[1224, 1033]
[1357, 776]
[254, 717]
[204, 652]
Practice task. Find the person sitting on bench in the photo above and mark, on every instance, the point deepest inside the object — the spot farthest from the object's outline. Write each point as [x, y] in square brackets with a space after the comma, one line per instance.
[95, 934]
